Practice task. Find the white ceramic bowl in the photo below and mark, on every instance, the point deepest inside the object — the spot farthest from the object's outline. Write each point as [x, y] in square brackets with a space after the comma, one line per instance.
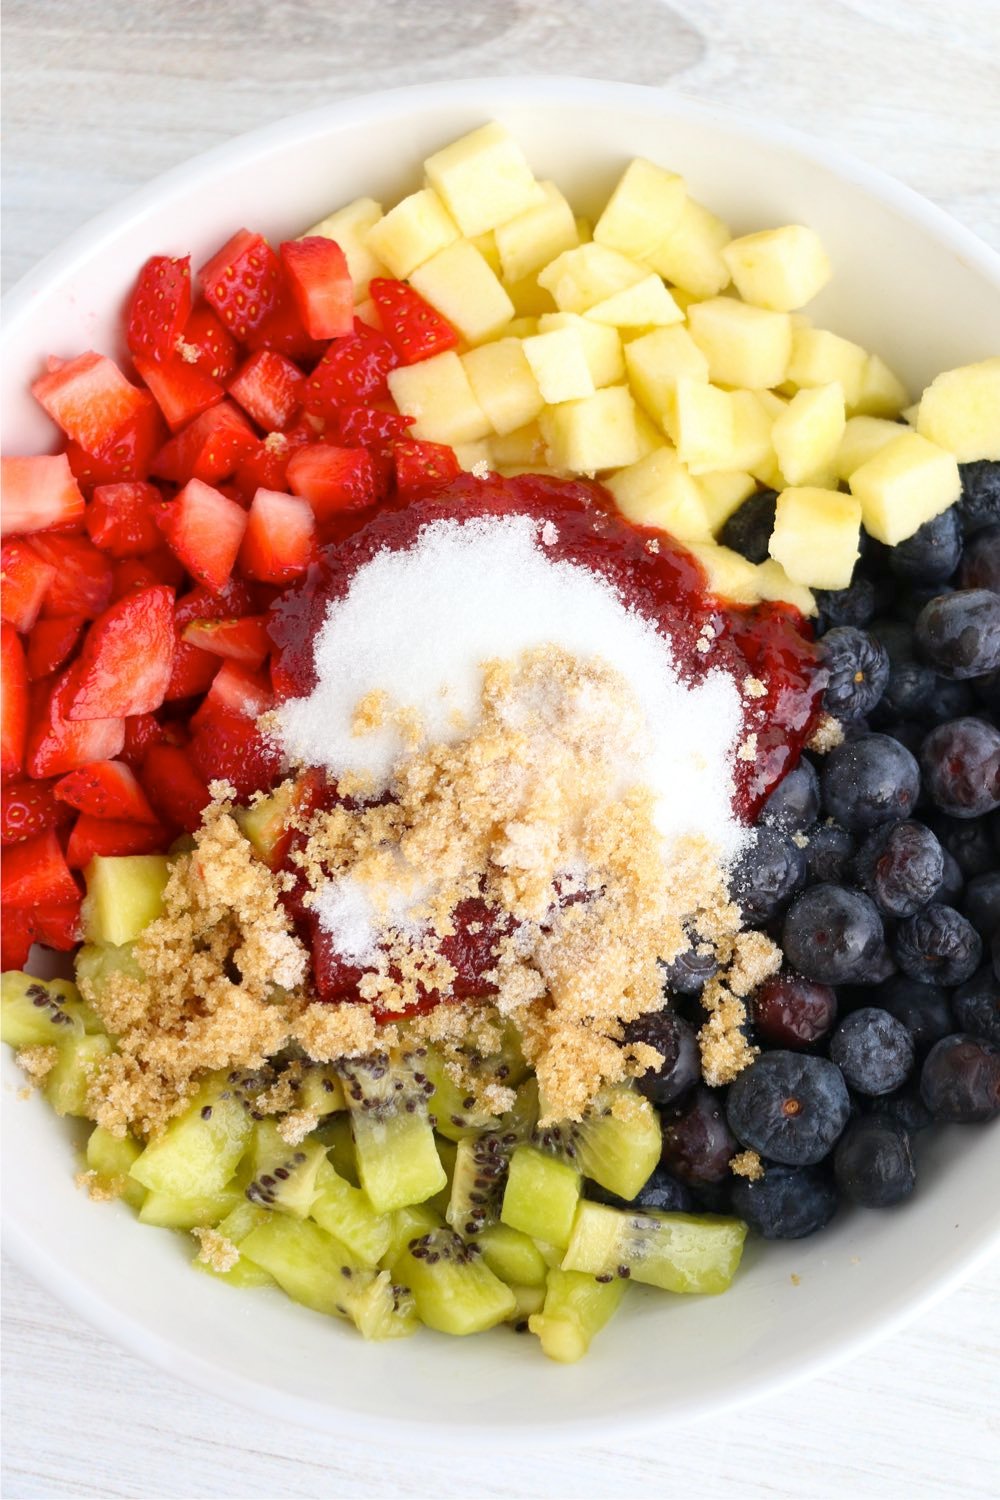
[909, 283]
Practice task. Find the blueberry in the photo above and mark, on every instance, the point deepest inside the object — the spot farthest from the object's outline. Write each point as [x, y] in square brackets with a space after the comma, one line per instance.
[689, 971]
[913, 599]
[793, 806]
[968, 841]
[987, 690]
[787, 1203]
[995, 952]
[665, 1193]
[873, 1163]
[829, 853]
[931, 554]
[858, 665]
[905, 1106]
[959, 634]
[873, 1050]
[896, 636]
[748, 530]
[981, 562]
[960, 1082]
[789, 1106]
[901, 866]
[951, 699]
[834, 936]
[922, 1008]
[949, 892]
[792, 1012]
[767, 874]
[960, 762]
[938, 946]
[976, 1004]
[870, 780]
[677, 1044]
[979, 505]
[854, 605]
[698, 1144]
[982, 902]
[908, 692]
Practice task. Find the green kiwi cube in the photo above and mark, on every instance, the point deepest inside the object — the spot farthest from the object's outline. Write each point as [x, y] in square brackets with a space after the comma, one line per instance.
[513, 1256]
[346, 1212]
[266, 821]
[195, 1211]
[620, 1142]
[394, 1145]
[199, 1151]
[320, 1091]
[40, 1012]
[281, 1176]
[124, 894]
[336, 1136]
[67, 1084]
[576, 1307]
[305, 1261]
[454, 1290]
[448, 1153]
[381, 1309]
[111, 1157]
[541, 1196]
[454, 1111]
[408, 1224]
[527, 1300]
[97, 962]
[678, 1252]
[235, 1227]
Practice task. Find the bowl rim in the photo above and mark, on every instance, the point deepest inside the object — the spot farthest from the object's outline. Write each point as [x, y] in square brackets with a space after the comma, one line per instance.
[35, 1258]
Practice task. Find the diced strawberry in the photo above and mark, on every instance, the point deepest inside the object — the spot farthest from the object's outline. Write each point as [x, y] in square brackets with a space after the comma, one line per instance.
[90, 399]
[174, 787]
[125, 664]
[14, 706]
[333, 479]
[354, 368]
[26, 579]
[243, 640]
[267, 466]
[284, 332]
[141, 731]
[104, 836]
[132, 573]
[268, 388]
[280, 538]
[207, 344]
[419, 464]
[229, 747]
[321, 284]
[36, 874]
[106, 789]
[194, 669]
[243, 282]
[159, 307]
[57, 744]
[236, 689]
[209, 448]
[82, 582]
[57, 926]
[415, 330]
[39, 493]
[16, 937]
[367, 427]
[121, 518]
[205, 530]
[28, 808]
[52, 643]
[182, 389]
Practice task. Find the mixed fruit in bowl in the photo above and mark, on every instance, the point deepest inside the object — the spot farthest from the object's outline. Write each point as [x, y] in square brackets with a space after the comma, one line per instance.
[502, 713]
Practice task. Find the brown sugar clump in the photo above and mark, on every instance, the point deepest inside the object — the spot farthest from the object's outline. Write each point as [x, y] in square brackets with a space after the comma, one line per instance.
[215, 1250]
[37, 1062]
[828, 734]
[747, 1164]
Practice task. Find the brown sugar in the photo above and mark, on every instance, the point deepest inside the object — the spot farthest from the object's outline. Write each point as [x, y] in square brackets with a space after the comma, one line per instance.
[747, 1164]
[215, 1250]
[37, 1062]
[828, 734]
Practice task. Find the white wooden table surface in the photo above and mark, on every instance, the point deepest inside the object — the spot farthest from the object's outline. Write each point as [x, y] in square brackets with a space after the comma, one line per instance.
[102, 94]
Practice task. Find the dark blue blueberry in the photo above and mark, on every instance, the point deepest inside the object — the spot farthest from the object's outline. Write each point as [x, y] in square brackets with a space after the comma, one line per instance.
[834, 935]
[901, 866]
[922, 1008]
[938, 946]
[896, 636]
[793, 806]
[960, 762]
[854, 605]
[748, 530]
[981, 562]
[995, 952]
[982, 902]
[931, 554]
[677, 1044]
[968, 840]
[698, 1144]
[767, 874]
[908, 692]
[858, 665]
[870, 780]
[987, 691]
[873, 1163]
[789, 1106]
[792, 1012]
[959, 633]
[787, 1203]
[960, 1082]
[873, 1050]
[829, 853]
[951, 699]
[665, 1193]
[952, 881]
[690, 971]
[979, 505]
[976, 1004]
[912, 599]
[905, 1106]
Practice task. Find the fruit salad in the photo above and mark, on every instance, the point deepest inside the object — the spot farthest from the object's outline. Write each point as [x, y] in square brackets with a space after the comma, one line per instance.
[500, 721]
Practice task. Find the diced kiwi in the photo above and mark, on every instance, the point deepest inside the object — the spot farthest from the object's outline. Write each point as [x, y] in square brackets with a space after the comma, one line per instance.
[124, 894]
[40, 1012]
[541, 1196]
[335, 1134]
[320, 1091]
[96, 962]
[454, 1290]
[235, 1227]
[282, 1176]
[67, 1083]
[198, 1152]
[346, 1212]
[448, 1153]
[380, 1309]
[190, 1211]
[265, 823]
[408, 1224]
[111, 1157]
[513, 1256]
[455, 1111]
[397, 1159]
[617, 1143]
[679, 1252]
[576, 1307]
[478, 1183]
[527, 1300]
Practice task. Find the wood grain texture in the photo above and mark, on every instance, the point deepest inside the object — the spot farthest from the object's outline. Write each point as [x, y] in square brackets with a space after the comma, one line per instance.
[102, 94]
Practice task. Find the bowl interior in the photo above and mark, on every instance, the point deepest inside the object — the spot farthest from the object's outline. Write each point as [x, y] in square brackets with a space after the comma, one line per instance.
[910, 285]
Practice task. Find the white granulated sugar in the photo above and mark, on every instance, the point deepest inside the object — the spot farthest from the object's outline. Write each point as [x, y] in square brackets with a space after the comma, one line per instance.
[417, 624]
[356, 915]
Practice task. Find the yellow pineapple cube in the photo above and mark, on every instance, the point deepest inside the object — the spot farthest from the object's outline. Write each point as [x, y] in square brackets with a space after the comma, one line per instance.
[816, 536]
[350, 227]
[530, 300]
[656, 361]
[807, 434]
[960, 410]
[723, 491]
[592, 435]
[484, 179]
[558, 362]
[417, 228]
[728, 575]
[745, 346]
[882, 393]
[648, 304]
[524, 446]
[752, 447]
[658, 491]
[474, 456]
[437, 394]
[820, 358]
[774, 584]
[862, 439]
[699, 418]
[906, 483]
[691, 255]
[643, 209]
[582, 277]
[503, 383]
[780, 269]
[601, 345]
[528, 242]
[459, 283]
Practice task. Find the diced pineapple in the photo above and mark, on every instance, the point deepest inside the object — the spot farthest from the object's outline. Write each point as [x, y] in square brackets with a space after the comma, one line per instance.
[774, 584]
[436, 392]
[484, 179]
[816, 535]
[807, 434]
[656, 361]
[486, 244]
[473, 456]
[124, 894]
[882, 392]
[417, 228]
[530, 300]
[722, 493]
[459, 283]
[580, 278]
[780, 269]
[602, 346]
[503, 383]
[753, 423]
[699, 418]
[648, 304]
[592, 435]
[906, 483]
[820, 358]
[729, 576]
[350, 227]
[861, 440]
[528, 242]
[523, 446]
[658, 491]
[558, 362]
[960, 410]
[745, 346]
[642, 211]
[691, 255]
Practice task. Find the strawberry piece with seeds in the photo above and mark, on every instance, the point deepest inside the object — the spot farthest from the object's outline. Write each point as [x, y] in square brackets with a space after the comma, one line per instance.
[141, 731]
[121, 518]
[28, 808]
[243, 282]
[229, 747]
[104, 836]
[14, 704]
[90, 399]
[368, 427]
[39, 493]
[125, 664]
[106, 789]
[57, 926]
[209, 448]
[268, 388]
[26, 580]
[207, 344]
[204, 529]
[82, 582]
[317, 273]
[420, 464]
[280, 540]
[51, 644]
[353, 369]
[243, 640]
[36, 874]
[236, 689]
[17, 934]
[181, 390]
[194, 668]
[174, 787]
[56, 744]
[266, 467]
[334, 479]
[415, 330]
[159, 307]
